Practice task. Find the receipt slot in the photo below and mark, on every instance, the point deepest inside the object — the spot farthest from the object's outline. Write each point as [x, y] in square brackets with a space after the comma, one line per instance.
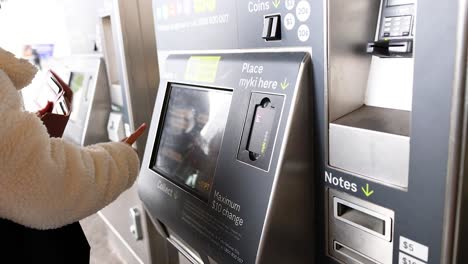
[226, 166]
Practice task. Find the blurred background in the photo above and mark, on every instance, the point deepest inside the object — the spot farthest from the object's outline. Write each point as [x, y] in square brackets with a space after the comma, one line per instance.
[95, 46]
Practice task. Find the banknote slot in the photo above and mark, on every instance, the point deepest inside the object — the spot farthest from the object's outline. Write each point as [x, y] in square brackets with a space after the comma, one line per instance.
[352, 254]
[362, 218]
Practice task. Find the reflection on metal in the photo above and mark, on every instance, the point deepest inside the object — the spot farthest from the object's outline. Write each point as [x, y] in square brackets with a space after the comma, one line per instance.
[373, 142]
[294, 176]
[129, 48]
[350, 26]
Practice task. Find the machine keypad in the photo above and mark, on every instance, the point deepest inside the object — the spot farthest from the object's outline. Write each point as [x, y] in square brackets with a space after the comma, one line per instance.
[397, 26]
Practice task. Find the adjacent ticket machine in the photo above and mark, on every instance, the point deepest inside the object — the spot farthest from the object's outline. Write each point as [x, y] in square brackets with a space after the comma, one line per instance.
[309, 131]
[91, 101]
[128, 45]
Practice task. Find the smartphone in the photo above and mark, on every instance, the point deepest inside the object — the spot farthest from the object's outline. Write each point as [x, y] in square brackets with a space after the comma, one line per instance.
[53, 92]
[60, 103]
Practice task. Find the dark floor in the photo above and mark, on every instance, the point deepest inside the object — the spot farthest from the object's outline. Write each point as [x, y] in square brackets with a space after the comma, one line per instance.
[96, 233]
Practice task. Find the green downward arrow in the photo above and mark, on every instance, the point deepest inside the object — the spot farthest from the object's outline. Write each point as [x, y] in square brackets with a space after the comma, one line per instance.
[367, 191]
[284, 84]
[276, 3]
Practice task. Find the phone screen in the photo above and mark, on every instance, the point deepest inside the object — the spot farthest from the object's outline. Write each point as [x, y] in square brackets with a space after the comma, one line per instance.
[52, 91]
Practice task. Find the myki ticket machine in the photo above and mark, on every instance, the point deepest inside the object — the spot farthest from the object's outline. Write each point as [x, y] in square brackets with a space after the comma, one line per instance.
[228, 168]
[128, 45]
[309, 131]
[392, 142]
[228, 163]
[91, 100]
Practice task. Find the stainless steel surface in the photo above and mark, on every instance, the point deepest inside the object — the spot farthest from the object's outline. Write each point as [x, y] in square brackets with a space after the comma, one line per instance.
[378, 119]
[290, 217]
[109, 49]
[374, 155]
[369, 99]
[129, 46]
[455, 236]
[136, 229]
[350, 27]
[137, 47]
[372, 142]
[351, 255]
[93, 104]
[186, 254]
[362, 218]
[356, 245]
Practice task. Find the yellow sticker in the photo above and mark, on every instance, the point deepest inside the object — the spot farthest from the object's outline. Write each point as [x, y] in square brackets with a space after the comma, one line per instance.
[202, 68]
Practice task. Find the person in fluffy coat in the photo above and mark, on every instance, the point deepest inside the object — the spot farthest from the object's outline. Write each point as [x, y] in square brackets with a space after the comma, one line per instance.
[47, 182]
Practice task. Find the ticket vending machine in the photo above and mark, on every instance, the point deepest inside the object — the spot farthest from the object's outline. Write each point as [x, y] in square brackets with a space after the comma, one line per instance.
[91, 100]
[229, 163]
[228, 169]
[129, 48]
[391, 113]
[364, 163]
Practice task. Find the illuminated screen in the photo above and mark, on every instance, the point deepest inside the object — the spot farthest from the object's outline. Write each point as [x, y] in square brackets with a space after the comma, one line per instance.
[77, 84]
[190, 138]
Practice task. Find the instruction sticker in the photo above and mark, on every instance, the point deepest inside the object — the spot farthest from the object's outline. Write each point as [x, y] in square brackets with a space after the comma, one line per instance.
[414, 248]
[405, 259]
[202, 68]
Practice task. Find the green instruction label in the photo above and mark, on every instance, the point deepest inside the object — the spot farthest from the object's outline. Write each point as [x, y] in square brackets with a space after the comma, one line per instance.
[202, 68]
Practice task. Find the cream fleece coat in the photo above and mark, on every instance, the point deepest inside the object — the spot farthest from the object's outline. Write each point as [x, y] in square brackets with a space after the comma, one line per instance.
[46, 182]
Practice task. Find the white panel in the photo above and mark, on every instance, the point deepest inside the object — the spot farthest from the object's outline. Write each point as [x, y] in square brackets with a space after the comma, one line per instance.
[405, 259]
[115, 127]
[390, 83]
[414, 248]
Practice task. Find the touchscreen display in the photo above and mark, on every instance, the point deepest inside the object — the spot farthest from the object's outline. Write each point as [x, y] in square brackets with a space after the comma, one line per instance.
[77, 84]
[191, 135]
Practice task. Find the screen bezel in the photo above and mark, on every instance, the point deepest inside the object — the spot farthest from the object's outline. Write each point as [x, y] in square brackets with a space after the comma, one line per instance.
[154, 152]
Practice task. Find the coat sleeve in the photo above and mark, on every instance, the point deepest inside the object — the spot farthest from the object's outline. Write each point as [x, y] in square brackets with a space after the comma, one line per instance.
[46, 182]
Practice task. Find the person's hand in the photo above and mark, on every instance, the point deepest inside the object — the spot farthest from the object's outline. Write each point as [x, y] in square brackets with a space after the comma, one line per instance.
[133, 137]
[47, 109]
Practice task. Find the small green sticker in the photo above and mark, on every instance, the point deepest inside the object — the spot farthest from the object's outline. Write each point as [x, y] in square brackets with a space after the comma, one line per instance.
[264, 146]
[202, 68]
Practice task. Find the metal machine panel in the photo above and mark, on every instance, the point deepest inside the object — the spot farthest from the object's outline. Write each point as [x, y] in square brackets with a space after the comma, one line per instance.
[91, 101]
[424, 210]
[226, 224]
[129, 46]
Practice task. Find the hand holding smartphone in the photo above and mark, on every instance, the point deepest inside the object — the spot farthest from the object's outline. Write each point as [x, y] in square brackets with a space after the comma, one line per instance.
[58, 96]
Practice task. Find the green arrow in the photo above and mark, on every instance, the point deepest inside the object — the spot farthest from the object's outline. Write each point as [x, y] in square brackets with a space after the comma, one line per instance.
[366, 191]
[276, 3]
[284, 84]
